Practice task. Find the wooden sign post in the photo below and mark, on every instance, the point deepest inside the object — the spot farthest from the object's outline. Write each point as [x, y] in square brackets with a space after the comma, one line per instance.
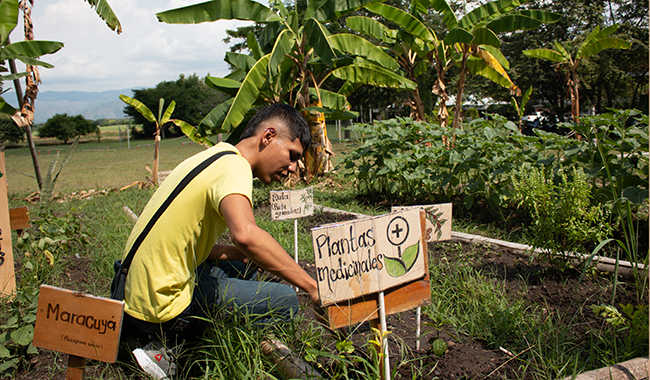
[81, 325]
[7, 274]
[292, 204]
[369, 268]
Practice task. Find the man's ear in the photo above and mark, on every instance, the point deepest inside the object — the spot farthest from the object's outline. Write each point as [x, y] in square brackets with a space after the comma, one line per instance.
[268, 134]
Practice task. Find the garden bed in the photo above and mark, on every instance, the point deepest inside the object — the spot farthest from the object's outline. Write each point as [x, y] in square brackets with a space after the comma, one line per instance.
[544, 290]
[542, 287]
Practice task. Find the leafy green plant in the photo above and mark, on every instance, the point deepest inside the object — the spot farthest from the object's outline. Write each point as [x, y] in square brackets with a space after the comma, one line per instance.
[627, 328]
[408, 161]
[563, 219]
[612, 154]
[17, 333]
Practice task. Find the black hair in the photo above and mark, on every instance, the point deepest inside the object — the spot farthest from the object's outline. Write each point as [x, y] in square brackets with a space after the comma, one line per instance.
[294, 121]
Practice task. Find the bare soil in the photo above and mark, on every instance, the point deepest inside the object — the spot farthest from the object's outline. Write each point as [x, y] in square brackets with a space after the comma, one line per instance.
[536, 283]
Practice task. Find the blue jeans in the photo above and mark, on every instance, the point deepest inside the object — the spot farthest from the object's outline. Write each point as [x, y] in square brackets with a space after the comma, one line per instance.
[231, 285]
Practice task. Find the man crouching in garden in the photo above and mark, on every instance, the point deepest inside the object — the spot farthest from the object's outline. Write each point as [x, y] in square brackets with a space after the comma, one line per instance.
[178, 273]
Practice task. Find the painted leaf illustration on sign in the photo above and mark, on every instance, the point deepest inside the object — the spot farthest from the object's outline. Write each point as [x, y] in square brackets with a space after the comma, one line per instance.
[397, 267]
[436, 219]
[410, 255]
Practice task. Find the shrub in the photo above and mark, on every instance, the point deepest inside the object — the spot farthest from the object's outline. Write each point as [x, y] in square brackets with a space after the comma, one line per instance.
[563, 219]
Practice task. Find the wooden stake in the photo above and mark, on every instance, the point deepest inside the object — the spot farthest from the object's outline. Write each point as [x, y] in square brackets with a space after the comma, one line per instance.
[295, 242]
[7, 274]
[76, 367]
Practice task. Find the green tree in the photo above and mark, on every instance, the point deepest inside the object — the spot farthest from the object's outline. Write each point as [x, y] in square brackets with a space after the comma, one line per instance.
[569, 56]
[64, 127]
[10, 133]
[613, 78]
[291, 63]
[194, 99]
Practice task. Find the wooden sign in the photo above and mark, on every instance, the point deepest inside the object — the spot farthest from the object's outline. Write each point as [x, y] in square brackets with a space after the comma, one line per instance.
[7, 274]
[292, 204]
[367, 256]
[19, 218]
[78, 324]
[438, 225]
[402, 298]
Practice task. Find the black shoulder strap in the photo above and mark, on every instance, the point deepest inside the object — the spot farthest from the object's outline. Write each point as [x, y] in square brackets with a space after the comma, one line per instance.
[181, 185]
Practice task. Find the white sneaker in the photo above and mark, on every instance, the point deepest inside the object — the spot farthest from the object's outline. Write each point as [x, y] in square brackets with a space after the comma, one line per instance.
[154, 360]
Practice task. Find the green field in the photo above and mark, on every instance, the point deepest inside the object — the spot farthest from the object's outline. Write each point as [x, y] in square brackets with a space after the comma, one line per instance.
[108, 164]
[95, 165]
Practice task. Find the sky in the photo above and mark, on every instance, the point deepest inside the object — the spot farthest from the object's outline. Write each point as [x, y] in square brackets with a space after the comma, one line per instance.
[147, 52]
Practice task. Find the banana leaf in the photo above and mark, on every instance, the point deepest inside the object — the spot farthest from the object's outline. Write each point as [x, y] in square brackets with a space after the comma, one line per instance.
[356, 45]
[405, 20]
[247, 10]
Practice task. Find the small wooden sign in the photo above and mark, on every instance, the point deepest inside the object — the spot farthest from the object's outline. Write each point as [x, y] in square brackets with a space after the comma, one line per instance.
[7, 274]
[19, 218]
[78, 324]
[438, 225]
[367, 256]
[292, 204]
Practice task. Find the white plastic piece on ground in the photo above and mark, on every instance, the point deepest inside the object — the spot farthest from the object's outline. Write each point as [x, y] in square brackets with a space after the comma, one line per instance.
[148, 365]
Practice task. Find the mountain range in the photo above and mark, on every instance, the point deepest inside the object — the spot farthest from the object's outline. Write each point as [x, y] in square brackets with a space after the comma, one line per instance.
[92, 105]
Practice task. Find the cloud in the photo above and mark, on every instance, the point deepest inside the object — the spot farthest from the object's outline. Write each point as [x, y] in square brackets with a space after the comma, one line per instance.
[147, 52]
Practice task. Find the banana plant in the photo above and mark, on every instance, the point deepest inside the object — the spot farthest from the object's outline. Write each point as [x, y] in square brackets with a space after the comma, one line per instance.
[569, 56]
[476, 43]
[292, 61]
[415, 46]
[161, 120]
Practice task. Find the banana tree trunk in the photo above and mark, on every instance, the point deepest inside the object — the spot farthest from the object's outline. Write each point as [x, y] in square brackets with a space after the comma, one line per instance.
[418, 107]
[318, 158]
[440, 89]
[154, 173]
[27, 127]
[459, 93]
[575, 95]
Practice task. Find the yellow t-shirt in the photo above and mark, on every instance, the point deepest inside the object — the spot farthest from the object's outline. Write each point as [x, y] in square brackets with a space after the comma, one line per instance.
[162, 275]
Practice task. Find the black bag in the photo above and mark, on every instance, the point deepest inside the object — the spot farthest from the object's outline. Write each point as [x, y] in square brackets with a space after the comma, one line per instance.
[119, 281]
[122, 267]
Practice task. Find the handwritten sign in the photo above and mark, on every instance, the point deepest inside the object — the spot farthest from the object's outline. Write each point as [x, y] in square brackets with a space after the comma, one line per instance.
[292, 204]
[438, 216]
[78, 324]
[7, 274]
[19, 218]
[367, 256]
